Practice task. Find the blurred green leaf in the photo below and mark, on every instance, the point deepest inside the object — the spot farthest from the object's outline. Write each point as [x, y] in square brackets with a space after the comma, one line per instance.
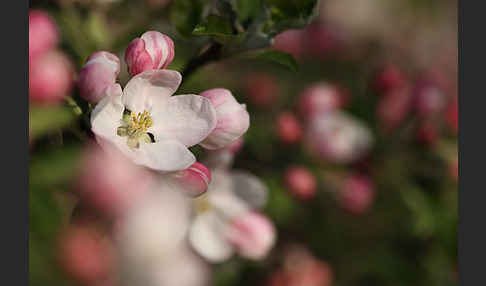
[247, 9]
[185, 15]
[49, 118]
[288, 14]
[284, 59]
[215, 26]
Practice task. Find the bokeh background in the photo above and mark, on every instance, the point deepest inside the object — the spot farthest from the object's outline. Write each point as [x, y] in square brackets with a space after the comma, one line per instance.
[378, 208]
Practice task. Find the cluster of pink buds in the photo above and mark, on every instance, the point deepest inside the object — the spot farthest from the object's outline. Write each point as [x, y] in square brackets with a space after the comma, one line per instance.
[50, 71]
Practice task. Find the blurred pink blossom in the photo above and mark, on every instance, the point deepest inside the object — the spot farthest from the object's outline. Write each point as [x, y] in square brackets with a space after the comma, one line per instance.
[152, 51]
[50, 77]
[320, 98]
[98, 73]
[43, 33]
[452, 115]
[321, 39]
[393, 107]
[301, 182]
[390, 77]
[290, 41]
[288, 128]
[357, 194]
[262, 89]
[193, 181]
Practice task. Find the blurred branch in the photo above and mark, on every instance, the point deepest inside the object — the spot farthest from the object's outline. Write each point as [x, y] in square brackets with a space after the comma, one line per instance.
[210, 53]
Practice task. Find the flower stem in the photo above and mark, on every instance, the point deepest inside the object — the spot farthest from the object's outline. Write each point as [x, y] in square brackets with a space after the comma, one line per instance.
[210, 53]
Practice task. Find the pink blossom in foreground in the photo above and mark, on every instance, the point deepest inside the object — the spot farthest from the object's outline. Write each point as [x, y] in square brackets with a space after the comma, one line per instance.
[86, 255]
[43, 33]
[98, 73]
[357, 194]
[232, 119]
[50, 77]
[320, 98]
[262, 89]
[290, 41]
[109, 182]
[152, 51]
[301, 182]
[288, 128]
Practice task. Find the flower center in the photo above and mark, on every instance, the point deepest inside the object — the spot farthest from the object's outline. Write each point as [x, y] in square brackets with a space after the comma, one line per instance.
[202, 204]
[135, 128]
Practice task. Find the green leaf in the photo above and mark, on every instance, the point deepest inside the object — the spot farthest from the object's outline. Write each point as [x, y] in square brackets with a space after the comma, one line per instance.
[49, 118]
[284, 59]
[290, 14]
[248, 9]
[214, 26]
[185, 15]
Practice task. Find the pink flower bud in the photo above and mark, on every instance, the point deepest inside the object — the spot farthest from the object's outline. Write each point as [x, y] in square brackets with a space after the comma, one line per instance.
[429, 98]
[86, 255]
[262, 89]
[288, 128]
[233, 119]
[390, 77]
[43, 33]
[301, 182]
[394, 107]
[357, 194]
[193, 180]
[152, 51]
[290, 41]
[109, 182]
[252, 234]
[50, 77]
[321, 39]
[98, 73]
[320, 98]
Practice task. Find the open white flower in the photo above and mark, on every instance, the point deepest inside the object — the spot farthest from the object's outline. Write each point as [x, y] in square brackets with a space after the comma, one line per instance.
[226, 222]
[149, 125]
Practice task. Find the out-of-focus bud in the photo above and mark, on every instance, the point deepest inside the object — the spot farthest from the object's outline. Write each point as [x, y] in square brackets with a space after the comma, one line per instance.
[50, 77]
[43, 33]
[98, 73]
[109, 182]
[429, 98]
[86, 255]
[320, 39]
[394, 107]
[193, 181]
[233, 119]
[290, 41]
[301, 182]
[451, 116]
[357, 194]
[428, 132]
[338, 137]
[152, 51]
[388, 78]
[288, 128]
[262, 89]
[320, 98]
[252, 234]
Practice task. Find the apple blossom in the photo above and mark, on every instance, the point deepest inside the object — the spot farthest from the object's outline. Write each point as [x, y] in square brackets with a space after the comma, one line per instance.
[388, 78]
[152, 51]
[224, 157]
[338, 137]
[221, 213]
[193, 181]
[288, 128]
[232, 119]
[357, 194]
[429, 98]
[319, 98]
[149, 125]
[301, 182]
[43, 33]
[98, 73]
[50, 77]
[321, 39]
[393, 107]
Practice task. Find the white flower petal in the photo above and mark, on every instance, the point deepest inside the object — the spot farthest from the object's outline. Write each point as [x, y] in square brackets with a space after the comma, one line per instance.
[207, 237]
[165, 155]
[187, 118]
[107, 114]
[141, 90]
